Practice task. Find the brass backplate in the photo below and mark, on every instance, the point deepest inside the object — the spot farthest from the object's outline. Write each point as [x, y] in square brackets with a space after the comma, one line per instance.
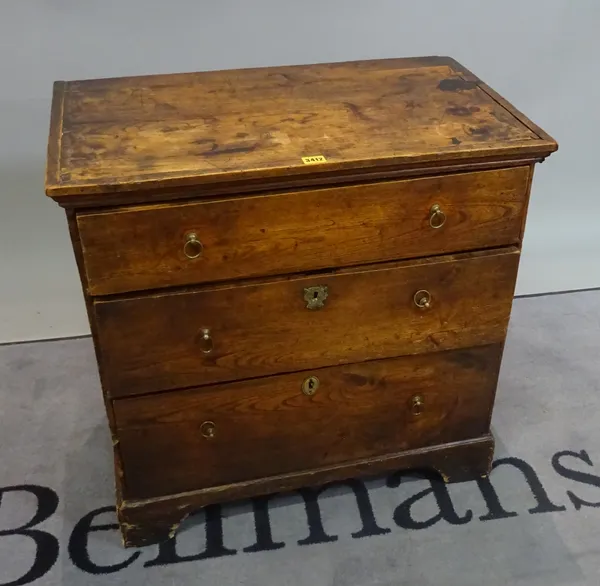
[315, 296]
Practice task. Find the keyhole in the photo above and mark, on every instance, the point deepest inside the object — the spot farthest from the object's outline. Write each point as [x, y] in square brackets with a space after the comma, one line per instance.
[310, 385]
[315, 297]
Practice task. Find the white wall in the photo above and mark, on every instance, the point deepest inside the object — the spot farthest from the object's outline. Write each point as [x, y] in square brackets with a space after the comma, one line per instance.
[543, 55]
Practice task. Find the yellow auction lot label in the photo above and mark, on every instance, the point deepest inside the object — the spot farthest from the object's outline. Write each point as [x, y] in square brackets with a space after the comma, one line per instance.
[314, 159]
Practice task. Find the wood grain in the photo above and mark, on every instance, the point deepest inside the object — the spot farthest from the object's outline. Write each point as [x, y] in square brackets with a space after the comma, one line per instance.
[142, 247]
[154, 343]
[128, 134]
[468, 75]
[358, 411]
[146, 521]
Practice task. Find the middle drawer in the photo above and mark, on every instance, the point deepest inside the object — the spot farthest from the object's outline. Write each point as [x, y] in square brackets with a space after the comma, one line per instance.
[174, 340]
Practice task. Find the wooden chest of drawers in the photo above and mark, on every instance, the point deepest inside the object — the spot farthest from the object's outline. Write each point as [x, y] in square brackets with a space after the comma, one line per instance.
[293, 275]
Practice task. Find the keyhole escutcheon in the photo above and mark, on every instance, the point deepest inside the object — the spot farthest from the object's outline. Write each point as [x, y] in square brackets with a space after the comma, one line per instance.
[315, 296]
[310, 386]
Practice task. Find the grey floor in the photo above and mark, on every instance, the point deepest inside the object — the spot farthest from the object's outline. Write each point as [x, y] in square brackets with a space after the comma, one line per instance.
[536, 523]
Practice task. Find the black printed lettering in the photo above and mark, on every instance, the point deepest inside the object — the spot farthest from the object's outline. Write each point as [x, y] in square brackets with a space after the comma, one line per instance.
[262, 525]
[79, 542]
[583, 477]
[495, 509]
[213, 525]
[317, 532]
[402, 514]
[47, 548]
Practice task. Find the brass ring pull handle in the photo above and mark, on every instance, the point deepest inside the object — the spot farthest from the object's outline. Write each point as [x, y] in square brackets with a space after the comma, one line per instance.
[208, 429]
[437, 218]
[422, 299]
[206, 341]
[417, 404]
[193, 247]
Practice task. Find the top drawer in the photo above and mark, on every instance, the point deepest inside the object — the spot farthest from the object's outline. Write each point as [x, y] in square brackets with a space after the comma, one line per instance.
[147, 247]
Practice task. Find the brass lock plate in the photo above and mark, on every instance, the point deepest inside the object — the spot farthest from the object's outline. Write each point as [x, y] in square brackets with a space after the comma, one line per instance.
[315, 296]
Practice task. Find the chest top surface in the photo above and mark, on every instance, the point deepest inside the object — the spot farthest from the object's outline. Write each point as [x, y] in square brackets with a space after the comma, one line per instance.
[193, 129]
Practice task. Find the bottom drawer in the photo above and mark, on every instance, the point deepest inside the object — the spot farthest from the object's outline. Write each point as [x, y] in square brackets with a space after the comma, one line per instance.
[196, 438]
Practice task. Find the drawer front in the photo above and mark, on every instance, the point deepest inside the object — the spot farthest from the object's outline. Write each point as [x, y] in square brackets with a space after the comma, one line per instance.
[151, 247]
[198, 438]
[177, 340]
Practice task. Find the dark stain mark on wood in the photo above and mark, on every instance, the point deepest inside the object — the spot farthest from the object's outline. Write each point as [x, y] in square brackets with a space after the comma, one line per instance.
[468, 360]
[217, 150]
[307, 118]
[167, 129]
[456, 85]
[411, 105]
[165, 106]
[481, 132]
[302, 120]
[462, 110]
[94, 146]
[458, 111]
[286, 78]
[210, 120]
[456, 140]
[241, 135]
[202, 141]
[146, 162]
[356, 111]
[119, 151]
[357, 380]
[405, 85]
